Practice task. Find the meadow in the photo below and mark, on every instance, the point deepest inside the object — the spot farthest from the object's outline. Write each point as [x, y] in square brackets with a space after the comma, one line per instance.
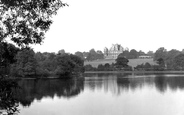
[132, 62]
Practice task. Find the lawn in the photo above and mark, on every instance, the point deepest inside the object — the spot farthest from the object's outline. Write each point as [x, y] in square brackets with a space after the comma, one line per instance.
[132, 62]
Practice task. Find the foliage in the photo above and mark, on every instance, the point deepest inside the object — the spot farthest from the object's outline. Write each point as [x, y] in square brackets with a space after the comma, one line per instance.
[140, 53]
[68, 65]
[79, 54]
[161, 62]
[89, 68]
[121, 62]
[170, 58]
[61, 51]
[7, 56]
[26, 21]
[124, 54]
[148, 67]
[150, 53]
[133, 54]
[93, 55]
[160, 53]
[26, 63]
[179, 62]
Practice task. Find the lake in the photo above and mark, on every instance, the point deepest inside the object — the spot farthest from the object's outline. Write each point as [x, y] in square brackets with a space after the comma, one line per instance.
[103, 94]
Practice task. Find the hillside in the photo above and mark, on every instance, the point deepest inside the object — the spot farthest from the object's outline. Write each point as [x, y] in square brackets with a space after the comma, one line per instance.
[132, 62]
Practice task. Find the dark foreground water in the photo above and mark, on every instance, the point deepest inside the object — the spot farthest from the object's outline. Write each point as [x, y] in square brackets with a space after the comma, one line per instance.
[103, 94]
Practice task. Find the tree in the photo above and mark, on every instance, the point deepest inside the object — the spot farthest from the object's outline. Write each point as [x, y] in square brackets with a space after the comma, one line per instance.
[85, 54]
[150, 53]
[7, 56]
[170, 58]
[140, 53]
[161, 63]
[39, 57]
[26, 63]
[79, 64]
[68, 65]
[133, 54]
[147, 66]
[107, 65]
[100, 67]
[49, 64]
[124, 54]
[121, 55]
[61, 51]
[93, 55]
[99, 55]
[79, 54]
[179, 61]
[160, 53]
[121, 62]
[26, 21]
[89, 68]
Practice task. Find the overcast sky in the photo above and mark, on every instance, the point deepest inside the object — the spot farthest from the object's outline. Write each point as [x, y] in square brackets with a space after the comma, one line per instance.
[137, 24]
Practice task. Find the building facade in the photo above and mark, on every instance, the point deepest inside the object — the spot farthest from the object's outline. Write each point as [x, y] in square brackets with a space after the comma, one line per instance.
[113, 52]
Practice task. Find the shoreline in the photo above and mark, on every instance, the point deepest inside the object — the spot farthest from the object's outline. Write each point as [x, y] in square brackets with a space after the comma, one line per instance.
[106, 72]
[151, 72]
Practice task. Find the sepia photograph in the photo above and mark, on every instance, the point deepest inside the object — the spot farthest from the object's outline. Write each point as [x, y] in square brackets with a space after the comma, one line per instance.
[91, 57]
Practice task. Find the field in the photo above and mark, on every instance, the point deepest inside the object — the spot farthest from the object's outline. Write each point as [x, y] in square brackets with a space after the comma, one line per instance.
[132, 62]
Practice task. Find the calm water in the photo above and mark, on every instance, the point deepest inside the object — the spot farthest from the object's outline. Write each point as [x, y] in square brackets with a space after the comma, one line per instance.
[103, 94]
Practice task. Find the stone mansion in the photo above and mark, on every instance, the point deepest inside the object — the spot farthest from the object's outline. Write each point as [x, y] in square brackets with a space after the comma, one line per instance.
[113, 52]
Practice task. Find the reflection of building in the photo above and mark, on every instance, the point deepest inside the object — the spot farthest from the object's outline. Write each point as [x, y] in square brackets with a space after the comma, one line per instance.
[113, 52]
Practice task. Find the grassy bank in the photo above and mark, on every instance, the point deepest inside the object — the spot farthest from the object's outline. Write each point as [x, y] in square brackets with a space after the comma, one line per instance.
[132, 62]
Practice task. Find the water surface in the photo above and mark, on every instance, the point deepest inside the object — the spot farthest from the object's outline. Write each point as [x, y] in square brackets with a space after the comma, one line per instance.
[103, 94]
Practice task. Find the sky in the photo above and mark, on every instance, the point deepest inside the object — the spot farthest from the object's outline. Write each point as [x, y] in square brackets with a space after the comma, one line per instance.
[137, 24]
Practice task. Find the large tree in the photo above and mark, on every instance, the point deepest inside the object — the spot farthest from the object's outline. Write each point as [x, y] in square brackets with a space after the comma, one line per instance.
[93, 55]
[179, 61]
[79, 54]
[133, 54]
[26, 21]
[124, 54]
[150, 53]
[160, 53]
[170, 58]
[161, 63]
[121, 62]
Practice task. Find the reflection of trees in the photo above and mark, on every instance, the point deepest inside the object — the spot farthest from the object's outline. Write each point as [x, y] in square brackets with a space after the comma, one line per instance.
[105, 81]
[161, 83]
[173, 83]
[37, 89]
[8, 104]
[125, 82]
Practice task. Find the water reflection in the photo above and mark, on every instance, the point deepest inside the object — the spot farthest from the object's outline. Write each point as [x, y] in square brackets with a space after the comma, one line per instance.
[37, 89]
[96, 87]
[118, 83]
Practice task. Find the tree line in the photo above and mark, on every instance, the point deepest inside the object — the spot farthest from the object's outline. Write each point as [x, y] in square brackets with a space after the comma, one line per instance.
[25, 62]
[97, 55]
[91, 55]
[165, 60]
[170, 60]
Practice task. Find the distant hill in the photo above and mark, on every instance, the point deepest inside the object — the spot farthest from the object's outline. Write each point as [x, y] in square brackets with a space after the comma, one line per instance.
[132, 62]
